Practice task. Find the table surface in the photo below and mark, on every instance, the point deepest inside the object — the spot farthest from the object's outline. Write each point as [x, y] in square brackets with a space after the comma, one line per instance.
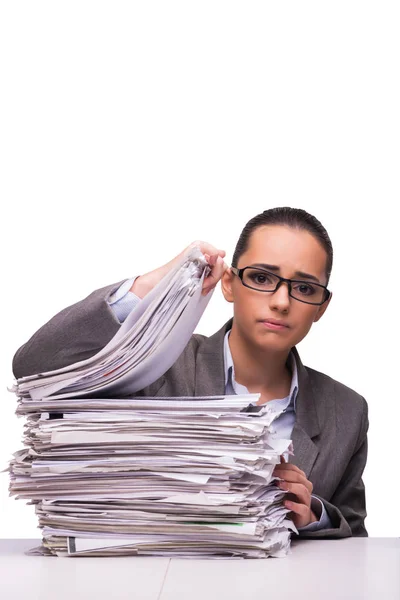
[350, 568]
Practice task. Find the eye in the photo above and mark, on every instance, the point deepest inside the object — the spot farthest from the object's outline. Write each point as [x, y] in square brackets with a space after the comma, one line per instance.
[259, 278]
[306, 289]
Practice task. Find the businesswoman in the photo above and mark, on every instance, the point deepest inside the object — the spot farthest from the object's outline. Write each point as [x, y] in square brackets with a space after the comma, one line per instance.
[278, 285]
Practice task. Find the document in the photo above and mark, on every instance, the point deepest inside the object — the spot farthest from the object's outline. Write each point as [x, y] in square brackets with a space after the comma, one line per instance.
[146, 345]
[163, 476]
[188, 476]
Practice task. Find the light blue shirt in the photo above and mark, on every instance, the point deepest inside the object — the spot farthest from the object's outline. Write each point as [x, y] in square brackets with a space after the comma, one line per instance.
[123, 301]
[284, 423]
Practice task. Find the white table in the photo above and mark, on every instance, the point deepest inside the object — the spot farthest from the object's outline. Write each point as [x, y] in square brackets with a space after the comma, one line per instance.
[351, 568]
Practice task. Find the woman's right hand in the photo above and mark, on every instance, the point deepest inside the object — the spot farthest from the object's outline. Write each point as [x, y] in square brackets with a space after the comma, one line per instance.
[215, 258]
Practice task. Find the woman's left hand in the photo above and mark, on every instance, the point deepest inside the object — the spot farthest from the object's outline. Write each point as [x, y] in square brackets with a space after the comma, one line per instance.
[300, 488]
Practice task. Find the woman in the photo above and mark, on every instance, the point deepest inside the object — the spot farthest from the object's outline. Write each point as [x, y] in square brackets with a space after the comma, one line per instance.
[278, 286]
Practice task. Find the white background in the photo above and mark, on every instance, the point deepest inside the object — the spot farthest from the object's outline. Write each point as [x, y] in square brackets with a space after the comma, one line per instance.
[130, 129]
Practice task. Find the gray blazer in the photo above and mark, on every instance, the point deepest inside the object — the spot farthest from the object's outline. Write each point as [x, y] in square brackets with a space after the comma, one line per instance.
[330, 431]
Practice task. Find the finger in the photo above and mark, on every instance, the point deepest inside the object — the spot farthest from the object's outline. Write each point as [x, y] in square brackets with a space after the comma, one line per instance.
[295, 477]
[289, 474]
[298, 508]
[211, 259]
[292, 476]
[282, 459]
[289, 467]
[207, 248]
[216, 273]
[299, 490]
[210, 281]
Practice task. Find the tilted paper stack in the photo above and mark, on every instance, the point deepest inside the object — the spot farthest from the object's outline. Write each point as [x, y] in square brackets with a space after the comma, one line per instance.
[111, 475]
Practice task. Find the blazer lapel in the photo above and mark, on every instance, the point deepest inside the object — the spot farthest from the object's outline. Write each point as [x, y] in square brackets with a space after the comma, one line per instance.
[306, 425]
[210, 381]
[210, 372]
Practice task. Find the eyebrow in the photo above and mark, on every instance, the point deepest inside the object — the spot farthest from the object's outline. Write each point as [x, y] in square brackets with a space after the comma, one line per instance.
[276, 268]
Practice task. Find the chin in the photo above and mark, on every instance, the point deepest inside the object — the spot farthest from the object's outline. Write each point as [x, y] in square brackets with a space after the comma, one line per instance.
[272, 342]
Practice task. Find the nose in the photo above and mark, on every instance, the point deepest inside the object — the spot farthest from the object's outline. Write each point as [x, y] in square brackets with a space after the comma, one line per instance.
[280, 298]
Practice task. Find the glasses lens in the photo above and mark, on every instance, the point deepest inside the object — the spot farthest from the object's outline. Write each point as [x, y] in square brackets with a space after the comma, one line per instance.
[267, 282]
[308, 292]
[260, 280]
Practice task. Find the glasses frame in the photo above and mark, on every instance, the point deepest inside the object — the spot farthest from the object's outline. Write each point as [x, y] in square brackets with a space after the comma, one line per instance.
[239, 273]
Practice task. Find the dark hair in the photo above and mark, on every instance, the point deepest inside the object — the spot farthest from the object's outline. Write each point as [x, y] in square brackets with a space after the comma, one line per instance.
[297, 218]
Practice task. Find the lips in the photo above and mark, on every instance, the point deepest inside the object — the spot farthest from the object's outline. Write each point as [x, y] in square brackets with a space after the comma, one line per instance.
[275, 322]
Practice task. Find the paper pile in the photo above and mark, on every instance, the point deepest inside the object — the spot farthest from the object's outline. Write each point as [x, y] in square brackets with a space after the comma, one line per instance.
[146, 345]
[111, 475]
[160, 476]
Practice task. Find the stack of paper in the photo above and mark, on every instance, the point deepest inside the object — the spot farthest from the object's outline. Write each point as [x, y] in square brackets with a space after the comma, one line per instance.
[188, 476]
[146, 345]
[111, 475]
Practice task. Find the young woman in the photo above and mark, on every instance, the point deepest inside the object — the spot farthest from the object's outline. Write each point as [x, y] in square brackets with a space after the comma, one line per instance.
[278, 285]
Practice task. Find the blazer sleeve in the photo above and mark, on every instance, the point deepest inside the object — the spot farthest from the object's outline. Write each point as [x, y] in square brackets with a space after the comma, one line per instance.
[347, 506]
[76, 333]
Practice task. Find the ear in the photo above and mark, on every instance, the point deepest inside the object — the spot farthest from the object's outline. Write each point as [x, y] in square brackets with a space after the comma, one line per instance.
[322, 309]
[226, 285]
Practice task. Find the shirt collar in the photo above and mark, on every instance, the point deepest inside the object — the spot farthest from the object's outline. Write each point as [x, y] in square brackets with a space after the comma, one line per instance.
[230, 370]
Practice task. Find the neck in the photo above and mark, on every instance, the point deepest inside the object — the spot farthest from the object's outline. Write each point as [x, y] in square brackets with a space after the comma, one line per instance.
[258, 368]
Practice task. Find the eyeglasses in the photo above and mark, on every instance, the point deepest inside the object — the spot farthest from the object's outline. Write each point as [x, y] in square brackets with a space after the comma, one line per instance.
[264, 281]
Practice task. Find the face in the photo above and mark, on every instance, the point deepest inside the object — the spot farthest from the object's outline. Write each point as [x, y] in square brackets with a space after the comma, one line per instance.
[291, 250]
